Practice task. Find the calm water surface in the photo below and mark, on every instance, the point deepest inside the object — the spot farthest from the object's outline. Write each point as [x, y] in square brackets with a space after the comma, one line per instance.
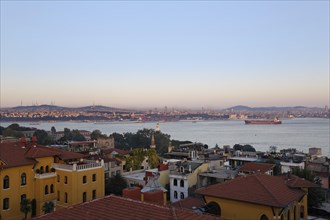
[300, 133]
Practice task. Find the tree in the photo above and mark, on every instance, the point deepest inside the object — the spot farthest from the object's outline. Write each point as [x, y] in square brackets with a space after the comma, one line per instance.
[120, 141]
[315, 194]
[53, 130]
[249, 148]
[272, 149]
[2, 130]
[42, 137]
[48, 207]
[25, 207]
[153, 158]
[246, 147]
[96, 134]
[135, 159]
[77, 136]
[115, 185]
[277, 168]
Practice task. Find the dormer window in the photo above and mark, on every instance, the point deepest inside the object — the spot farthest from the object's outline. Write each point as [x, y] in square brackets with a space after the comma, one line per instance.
[181, 169]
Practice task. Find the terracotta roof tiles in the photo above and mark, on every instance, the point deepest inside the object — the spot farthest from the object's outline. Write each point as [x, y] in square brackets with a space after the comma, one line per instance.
[119, 208]
[15, 154]
[253, 167]
[257, 188]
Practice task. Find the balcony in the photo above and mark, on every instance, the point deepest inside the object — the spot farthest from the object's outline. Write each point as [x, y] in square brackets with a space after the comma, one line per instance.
[78, 167]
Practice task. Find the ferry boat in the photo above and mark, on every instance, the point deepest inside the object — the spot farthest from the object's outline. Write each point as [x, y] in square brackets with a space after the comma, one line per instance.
[275, 121]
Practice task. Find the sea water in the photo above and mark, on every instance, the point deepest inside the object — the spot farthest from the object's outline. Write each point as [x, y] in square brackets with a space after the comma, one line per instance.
[299, 133]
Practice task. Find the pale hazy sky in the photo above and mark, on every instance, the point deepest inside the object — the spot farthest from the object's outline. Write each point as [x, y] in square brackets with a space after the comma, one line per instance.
[165, 53]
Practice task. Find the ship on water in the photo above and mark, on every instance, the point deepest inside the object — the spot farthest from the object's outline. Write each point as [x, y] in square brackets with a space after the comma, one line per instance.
[275, 121]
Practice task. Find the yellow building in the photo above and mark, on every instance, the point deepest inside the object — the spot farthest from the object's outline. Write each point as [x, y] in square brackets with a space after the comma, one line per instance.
[43, 174]
[258, 196]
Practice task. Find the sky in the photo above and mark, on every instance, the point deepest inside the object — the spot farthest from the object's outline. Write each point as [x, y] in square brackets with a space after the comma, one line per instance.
[211, 54]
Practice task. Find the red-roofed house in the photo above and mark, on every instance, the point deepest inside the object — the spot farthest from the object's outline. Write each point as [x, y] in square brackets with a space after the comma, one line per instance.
[258, 196]
[253, 167]
[43, 174]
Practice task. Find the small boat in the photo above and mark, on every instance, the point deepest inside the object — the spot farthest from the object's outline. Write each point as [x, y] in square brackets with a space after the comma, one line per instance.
[275, 121]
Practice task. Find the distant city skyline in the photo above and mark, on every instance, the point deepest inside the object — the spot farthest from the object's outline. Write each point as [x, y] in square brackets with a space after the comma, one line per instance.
[185, 54]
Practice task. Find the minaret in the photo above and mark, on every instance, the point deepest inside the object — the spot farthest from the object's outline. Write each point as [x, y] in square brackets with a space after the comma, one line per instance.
[152, 145]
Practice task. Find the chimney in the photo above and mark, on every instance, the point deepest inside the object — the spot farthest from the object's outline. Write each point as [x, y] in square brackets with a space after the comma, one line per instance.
[34, 139]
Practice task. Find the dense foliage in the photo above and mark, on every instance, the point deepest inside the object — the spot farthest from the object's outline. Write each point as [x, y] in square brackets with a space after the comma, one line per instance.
[138, 155]
[115, 185]
[246, 147]
[277, 169]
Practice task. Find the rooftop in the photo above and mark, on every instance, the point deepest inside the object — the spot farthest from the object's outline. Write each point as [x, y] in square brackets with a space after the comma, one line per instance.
[259, 189]
[256, 167]
[15, 154]
[119, 208]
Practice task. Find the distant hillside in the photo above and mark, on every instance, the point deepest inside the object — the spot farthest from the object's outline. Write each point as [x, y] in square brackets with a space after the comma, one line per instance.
[61, 108]
[273, 108]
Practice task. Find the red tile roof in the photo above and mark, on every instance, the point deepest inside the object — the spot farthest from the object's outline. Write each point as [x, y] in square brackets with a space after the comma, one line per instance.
[119, 208]
[294, 181]
[257, 188]
[15, 154]
[253, 167]
[189, 203]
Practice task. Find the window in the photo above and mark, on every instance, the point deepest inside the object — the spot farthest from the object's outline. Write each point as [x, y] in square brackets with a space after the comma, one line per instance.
[84, 196]
[65, 179]
[65, 197]
[6, 182]
[23, 196]
[94, 177]
[58, 178]
[263, 217]
[46, 189]
[288, 217]
[41, 169]
[5, 204]
[84, 179]
[182, 183]
[181, 195]
[175, 183]
[23, 179]
[175, 194]
[58, 195]
[51, 188]
[94, 194]
[47, 169]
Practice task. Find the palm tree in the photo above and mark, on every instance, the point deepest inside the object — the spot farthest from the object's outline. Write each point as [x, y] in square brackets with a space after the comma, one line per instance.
[48, 207]
[25, 207]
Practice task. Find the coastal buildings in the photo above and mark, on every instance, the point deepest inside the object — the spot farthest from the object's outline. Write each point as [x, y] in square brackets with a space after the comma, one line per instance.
[42, 174]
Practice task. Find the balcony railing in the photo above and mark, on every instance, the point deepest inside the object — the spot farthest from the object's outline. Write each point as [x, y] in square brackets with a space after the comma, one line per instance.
[76, 167]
